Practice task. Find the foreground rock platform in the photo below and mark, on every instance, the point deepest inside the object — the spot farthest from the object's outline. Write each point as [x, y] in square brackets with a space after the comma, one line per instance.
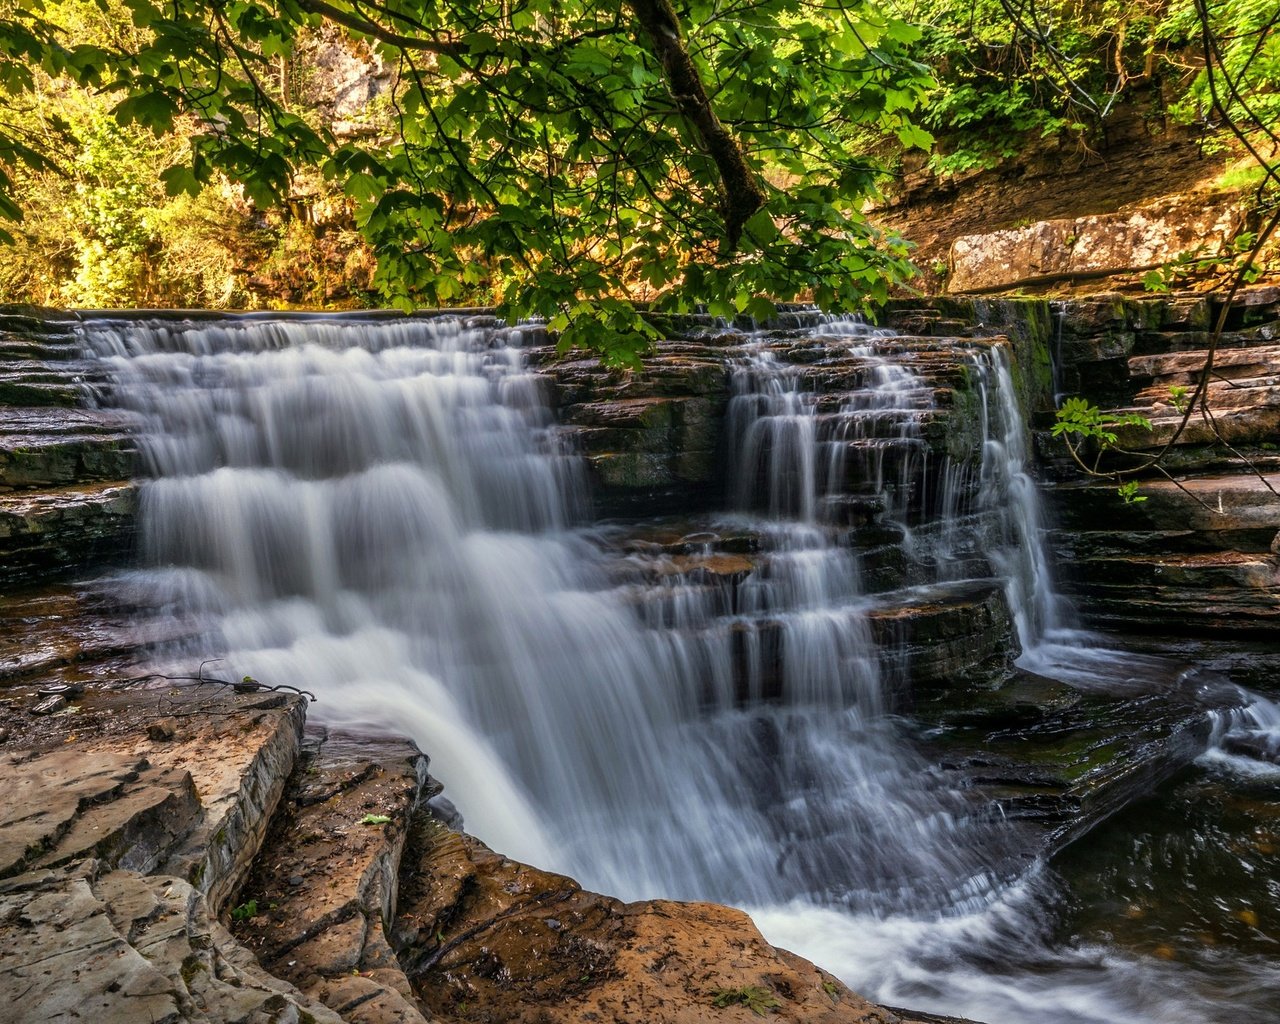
[185, 854]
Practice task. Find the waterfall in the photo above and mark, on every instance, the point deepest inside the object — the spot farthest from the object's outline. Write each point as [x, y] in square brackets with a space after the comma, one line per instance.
[1015, 543]
[386, 513]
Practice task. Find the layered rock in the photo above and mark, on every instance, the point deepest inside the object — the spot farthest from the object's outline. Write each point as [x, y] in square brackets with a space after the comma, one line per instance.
[1198, 551]
[66, 500]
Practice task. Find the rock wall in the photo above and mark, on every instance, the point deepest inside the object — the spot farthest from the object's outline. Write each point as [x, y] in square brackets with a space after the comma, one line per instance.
[1198, 554]
[66, 496]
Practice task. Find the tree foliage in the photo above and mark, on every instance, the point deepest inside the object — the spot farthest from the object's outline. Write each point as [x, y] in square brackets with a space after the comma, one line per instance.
[1013, 70]
[565, 159]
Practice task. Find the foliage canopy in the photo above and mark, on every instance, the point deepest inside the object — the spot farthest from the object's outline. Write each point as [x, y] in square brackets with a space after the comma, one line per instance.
[562, 158]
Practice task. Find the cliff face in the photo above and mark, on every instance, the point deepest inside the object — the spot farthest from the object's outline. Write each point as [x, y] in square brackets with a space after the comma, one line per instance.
[1199, 554]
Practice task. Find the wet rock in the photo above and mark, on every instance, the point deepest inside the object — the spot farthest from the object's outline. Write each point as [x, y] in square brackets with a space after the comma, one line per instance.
[1064, 758]
[484, 938]
[68, 690]
[49, 705]
[958, 630]
[65, 527]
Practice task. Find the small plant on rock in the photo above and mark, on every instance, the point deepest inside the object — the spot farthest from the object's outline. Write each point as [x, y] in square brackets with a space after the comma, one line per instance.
[756, 998]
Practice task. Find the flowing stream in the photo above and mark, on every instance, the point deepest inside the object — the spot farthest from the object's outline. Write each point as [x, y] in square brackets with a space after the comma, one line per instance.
[386, 513]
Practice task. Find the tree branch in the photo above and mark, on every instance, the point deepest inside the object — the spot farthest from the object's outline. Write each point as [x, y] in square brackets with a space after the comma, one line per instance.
[741, 193]
[446, 47]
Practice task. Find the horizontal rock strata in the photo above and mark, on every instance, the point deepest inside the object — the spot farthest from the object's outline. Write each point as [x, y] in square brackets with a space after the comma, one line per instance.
[66, 500]
[1199, 549]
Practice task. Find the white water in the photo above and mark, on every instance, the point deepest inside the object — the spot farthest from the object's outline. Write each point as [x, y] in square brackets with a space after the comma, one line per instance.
[387, 515]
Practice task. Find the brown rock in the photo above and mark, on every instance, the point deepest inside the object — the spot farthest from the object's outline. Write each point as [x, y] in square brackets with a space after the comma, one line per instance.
[488, 939]
[329, 887]
[163, 730]
[197, 808]
[1089, 246]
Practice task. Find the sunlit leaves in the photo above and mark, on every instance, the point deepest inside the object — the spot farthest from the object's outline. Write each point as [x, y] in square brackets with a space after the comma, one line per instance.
[534, 154]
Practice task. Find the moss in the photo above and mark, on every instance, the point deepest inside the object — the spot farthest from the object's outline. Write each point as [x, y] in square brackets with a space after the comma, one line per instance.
[191, 966]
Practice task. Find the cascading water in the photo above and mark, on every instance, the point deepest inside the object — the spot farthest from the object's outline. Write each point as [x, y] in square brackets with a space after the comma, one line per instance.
[1017, 547]
[385, 513]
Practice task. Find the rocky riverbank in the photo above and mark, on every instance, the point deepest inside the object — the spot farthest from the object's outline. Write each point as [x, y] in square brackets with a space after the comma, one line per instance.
[190, 853]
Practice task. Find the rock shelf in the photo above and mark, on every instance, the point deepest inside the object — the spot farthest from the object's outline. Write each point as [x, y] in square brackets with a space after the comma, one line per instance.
[183, 855]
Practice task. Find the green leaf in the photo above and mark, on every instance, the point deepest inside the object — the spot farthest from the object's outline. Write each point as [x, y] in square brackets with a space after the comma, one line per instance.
[179, 179]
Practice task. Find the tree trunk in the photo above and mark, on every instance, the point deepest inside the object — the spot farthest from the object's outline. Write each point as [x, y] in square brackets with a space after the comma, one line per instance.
[741, 193]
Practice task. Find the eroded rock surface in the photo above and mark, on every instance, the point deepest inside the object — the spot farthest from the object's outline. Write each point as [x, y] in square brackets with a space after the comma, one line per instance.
[1096, 245]
[484, 938]
[117, 947]
[325, 890]
[191, 797]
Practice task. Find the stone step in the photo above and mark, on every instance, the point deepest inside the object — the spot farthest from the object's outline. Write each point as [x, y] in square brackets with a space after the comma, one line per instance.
[67, 459]
[70, 634]
[17, 389]
[40, 323]
[1241, 362]
[102, 791]
[1165, 342]
[1207, 593]
[65, 528]
[43, 422]
[16, 348]
[124, 827]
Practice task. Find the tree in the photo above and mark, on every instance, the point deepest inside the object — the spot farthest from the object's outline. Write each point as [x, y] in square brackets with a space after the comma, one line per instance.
[567, 158]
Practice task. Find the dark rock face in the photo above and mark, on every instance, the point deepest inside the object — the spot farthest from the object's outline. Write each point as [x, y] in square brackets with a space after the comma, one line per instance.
[651, 439]
[1061, 759]
[1199, 553]
[66, 500]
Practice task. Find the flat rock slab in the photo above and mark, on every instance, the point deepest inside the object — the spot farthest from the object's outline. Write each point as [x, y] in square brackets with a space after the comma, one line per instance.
[1063, 759]
[115, 947]
[182, 780]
